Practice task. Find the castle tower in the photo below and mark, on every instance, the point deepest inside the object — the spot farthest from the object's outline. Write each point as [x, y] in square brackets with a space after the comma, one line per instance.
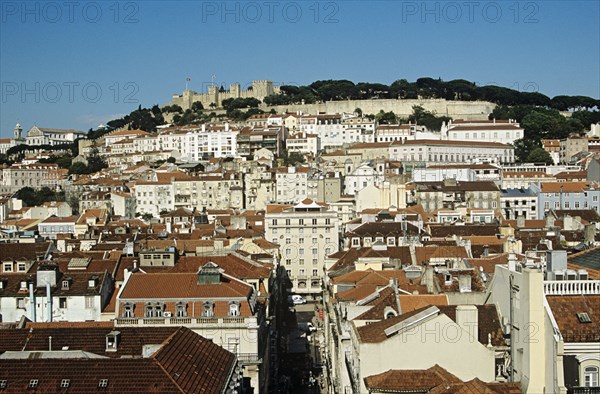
[18, 132]
[213, 96]
[262, 88]
[234, 90]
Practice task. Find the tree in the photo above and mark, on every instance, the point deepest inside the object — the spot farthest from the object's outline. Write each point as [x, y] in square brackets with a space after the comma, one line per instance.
[291, 159]
[523, 147]
[358, 111]
[147, 216]
[33, 198]
[95, 162]
[197, 106]
[171, 160]
[539, 155]
[385, 117]
[78, 168]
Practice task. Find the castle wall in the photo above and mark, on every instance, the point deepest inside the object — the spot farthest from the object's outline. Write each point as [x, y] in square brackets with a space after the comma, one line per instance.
[260, 90]
[469, 110]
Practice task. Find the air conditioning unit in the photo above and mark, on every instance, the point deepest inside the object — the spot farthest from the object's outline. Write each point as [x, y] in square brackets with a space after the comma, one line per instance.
[167, 314]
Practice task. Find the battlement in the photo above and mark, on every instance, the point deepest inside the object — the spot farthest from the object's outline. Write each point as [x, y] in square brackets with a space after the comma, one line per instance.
[259, 89]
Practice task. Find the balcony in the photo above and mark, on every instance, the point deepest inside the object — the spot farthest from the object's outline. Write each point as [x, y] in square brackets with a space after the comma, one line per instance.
[249, 358]
[190, 322]
[571, 287]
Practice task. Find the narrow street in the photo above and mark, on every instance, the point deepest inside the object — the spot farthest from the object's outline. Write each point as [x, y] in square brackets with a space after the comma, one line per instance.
[300, 370]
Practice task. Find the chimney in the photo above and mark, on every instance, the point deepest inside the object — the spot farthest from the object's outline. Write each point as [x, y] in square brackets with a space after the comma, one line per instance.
[520, 221]
[468, 320]
[550, 220]
[49, 302]
[219, 244]
[32, 302]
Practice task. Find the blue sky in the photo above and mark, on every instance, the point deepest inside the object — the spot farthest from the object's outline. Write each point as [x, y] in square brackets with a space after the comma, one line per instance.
[77, 64]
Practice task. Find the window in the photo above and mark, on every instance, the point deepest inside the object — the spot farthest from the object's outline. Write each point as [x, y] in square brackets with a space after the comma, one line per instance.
[21, 267]
[301, 261]
[207, 309]
[314, 261]
[62, 302]
[103, 383]
[181, 309]
[234, 309]
[89, 302]
[65, 383]
[315, 272]
[128, 310]
[33, 383]
[3, 384]
[314, 222]
[590, 376]
[20, 303]
[8, 267]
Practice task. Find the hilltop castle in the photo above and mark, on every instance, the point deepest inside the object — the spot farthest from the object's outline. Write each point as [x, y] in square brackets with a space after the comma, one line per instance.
[214, 98]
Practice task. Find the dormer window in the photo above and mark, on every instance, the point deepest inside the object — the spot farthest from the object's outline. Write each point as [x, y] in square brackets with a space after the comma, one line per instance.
[7, 267]
[234, 309]
[181, 309]
[128, 310]
[33, 383]
[65, 284]
[65, 383]
[112, 341]
[92, 282]
[207, 309]
[23, 285]
[154, 309]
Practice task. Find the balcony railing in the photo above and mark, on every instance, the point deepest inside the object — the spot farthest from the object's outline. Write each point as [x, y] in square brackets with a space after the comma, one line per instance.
[571, 287]
[248, 358]
[187, 321]
[584, 390]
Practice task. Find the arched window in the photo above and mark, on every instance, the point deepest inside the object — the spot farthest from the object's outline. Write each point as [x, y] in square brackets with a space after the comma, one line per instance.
[181, 309]
[128, 310]
[234, 309]
[207, 309]
[590, 376]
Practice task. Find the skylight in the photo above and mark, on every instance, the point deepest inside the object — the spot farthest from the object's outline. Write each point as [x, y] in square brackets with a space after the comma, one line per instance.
[584, 317]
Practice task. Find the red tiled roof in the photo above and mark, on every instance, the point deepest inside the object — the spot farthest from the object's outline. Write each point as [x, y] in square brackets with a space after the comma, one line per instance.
[181, 286]
[565, 310]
